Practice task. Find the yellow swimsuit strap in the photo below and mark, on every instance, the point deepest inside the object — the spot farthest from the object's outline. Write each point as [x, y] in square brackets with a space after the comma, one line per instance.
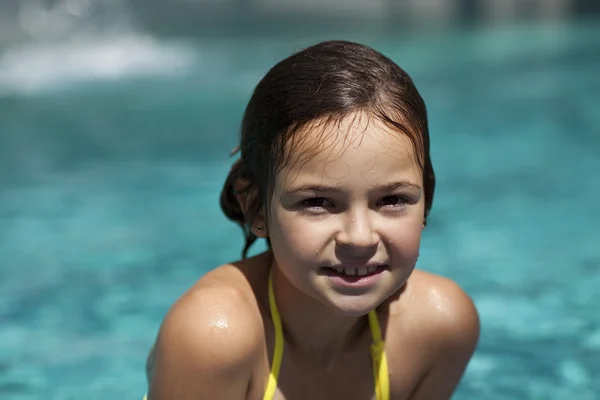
[278, 353]
[380, 367]
[378, 356]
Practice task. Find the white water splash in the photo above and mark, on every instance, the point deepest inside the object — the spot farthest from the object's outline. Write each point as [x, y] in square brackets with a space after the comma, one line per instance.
[38, 67]
[78, 41]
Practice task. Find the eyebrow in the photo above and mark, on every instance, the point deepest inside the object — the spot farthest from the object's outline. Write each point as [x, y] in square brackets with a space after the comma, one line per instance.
[336, 189]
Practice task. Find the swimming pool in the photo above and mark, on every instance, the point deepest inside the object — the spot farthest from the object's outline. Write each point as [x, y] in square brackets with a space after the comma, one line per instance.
[112, 155]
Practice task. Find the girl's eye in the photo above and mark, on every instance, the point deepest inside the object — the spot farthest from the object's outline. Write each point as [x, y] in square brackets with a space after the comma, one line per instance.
[393, 201]
[315, 202]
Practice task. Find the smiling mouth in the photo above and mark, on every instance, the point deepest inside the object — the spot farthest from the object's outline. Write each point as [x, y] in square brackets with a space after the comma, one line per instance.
[355, 271]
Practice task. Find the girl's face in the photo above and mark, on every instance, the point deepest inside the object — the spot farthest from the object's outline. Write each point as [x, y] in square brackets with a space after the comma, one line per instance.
[347, 214]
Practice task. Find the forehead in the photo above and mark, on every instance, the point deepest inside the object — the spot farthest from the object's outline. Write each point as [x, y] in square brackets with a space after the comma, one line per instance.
[357, 142]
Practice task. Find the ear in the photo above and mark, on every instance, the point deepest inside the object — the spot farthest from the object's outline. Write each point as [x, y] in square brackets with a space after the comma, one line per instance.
[259, 225]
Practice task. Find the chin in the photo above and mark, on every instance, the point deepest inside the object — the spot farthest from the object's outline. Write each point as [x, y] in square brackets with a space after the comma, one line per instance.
[358, 306]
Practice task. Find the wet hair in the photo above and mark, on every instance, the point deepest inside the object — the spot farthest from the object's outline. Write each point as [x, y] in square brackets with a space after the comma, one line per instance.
[325, 82]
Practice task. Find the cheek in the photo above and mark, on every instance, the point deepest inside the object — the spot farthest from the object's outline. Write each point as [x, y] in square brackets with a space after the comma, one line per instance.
[404, 238]
[293, 235]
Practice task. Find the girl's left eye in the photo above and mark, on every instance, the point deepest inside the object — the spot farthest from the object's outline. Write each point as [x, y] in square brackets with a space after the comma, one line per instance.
[393, 201]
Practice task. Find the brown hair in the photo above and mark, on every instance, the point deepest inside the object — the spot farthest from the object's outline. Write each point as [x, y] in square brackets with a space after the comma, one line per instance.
[327, 81]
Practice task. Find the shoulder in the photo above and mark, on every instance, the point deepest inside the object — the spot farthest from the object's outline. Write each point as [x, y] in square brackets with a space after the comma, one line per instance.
[449, 315]
[444, 326]
[214, 330]
[219, 310]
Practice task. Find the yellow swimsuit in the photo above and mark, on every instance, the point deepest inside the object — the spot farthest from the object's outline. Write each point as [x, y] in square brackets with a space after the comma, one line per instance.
[378, 357]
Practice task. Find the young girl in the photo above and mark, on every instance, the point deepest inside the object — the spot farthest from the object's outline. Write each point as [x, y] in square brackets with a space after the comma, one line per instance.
[335, 174]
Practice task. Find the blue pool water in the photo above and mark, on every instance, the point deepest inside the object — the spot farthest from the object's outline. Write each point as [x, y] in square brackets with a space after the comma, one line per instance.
[110, 171]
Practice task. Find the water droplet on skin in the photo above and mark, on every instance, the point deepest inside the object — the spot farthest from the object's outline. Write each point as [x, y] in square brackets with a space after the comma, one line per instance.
[219, 323]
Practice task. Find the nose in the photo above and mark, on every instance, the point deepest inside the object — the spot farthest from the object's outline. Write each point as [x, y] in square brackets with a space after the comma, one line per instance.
[357, 232]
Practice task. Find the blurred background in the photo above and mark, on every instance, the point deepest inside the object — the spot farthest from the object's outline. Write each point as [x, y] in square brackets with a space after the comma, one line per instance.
[117, 117]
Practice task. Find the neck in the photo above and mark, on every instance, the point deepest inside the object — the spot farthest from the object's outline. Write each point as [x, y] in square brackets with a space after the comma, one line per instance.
[312, 328]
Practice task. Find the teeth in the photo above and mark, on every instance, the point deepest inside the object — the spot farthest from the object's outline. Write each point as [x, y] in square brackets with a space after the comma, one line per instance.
[355, 271]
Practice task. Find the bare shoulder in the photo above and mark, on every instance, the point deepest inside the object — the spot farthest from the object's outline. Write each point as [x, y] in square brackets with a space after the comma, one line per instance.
[443, 330]
[221, 306]
[212, 334]
[452, 316]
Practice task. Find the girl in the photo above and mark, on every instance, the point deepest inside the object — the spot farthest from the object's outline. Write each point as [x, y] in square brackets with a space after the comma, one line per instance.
[335, 174]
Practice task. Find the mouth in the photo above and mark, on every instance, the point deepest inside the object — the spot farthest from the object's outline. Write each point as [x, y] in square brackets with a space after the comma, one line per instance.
[354, 271]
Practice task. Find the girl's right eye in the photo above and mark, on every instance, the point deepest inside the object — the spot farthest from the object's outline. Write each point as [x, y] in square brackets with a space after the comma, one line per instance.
[315, 202]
